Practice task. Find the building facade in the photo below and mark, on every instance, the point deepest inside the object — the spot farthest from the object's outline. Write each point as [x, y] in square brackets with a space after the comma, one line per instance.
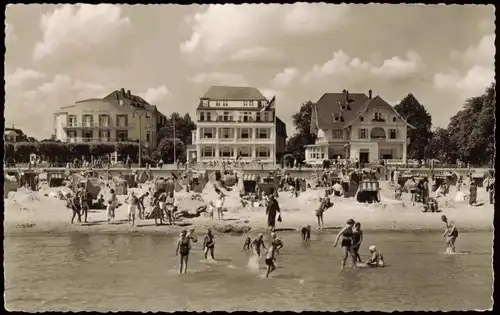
[237, 123]
[356, 126]
[14, 135]
[120, 116]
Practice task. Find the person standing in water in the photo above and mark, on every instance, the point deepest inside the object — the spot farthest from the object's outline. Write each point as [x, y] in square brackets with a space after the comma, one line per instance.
[270, 258]
[209, 244]
[182, 250]
[257, 244]
[450, 235]
[278, 244]
[346, 234]
[319, 212]
[306, 233]
[357, 239]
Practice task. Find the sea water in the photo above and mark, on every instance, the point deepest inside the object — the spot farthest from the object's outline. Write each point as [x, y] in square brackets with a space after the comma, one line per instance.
[133, 272]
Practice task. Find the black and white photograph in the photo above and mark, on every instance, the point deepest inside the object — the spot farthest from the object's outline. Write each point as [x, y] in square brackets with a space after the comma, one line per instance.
[249, 157]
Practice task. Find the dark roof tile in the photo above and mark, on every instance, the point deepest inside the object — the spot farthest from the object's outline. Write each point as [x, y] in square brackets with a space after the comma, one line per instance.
[234, 93]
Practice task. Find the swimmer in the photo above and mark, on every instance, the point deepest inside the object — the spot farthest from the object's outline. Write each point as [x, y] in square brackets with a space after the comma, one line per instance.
[450, 235]
[357, 239]
[191, 236]
[257, 243]
[246, 245]
[209, 244]
[376, 259]
[183, 248]
[270, 259]
[278, 244]
[347, 245]
[306, 233]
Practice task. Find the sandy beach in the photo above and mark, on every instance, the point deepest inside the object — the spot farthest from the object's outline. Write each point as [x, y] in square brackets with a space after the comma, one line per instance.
[41, 212]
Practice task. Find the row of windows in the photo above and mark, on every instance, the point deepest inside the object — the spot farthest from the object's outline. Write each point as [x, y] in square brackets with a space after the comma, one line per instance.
[103, 120]
[228, 133]
[226, 103]
[378, 117]
[240, 117]
[105, 135]
[376, 133]
[261, 152]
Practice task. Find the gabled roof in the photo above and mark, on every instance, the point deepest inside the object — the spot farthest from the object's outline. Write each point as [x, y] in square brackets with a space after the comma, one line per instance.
[376, 101]
[133, 100]
[330, 104]
[233, 93]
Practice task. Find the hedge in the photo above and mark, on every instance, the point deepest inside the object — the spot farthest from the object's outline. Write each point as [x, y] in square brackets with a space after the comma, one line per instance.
[59, 152]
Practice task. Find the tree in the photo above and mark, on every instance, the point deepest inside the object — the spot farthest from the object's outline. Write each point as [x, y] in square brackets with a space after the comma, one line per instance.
[439, 148]
[183, 129]
[302, 123]
[472, 129]
[416, 115]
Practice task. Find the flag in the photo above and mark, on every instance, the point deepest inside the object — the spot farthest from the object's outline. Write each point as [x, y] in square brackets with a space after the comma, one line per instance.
[270, 105]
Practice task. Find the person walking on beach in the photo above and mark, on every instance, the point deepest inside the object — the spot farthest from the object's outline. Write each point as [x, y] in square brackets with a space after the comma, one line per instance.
[84, 204]
[112, 204]
[219, 203]
[346, 234]
[132, 201]
[450, 235]
[209, 244]
[272, 210]
[170, 207]
[73, 203]
[140, 205]
[182, 250]
[161, 207]
[357, 239]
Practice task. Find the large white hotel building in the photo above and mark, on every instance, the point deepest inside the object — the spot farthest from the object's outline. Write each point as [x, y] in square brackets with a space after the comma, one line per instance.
[237, 123]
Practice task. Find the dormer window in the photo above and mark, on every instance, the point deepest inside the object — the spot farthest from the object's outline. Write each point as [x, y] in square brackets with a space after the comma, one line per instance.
[343, 107]
[217, 103]
[224, 103]
[393, 119]
[361, 118]
[205, 103]
[378, 117]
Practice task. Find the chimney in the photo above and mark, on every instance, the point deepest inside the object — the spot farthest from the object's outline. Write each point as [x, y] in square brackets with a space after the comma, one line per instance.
[370, 94]
[123, 91]
[129, 94]
[347, 96]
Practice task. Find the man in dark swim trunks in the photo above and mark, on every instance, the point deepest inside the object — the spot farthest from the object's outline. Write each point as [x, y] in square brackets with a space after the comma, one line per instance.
[257, 243]
[450, 234]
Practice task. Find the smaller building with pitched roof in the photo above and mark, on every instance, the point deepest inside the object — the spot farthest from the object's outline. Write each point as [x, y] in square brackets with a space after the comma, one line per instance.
[237, 123]
[356, 126]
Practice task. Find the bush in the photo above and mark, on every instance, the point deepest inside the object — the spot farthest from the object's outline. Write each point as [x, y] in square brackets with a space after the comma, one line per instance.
[23, 150]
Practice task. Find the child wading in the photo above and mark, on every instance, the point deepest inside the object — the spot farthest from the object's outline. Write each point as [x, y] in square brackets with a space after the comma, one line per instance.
[209, 244]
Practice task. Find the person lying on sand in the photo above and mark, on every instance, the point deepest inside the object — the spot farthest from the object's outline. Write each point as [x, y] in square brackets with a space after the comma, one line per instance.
[246, 245]
[305, 231]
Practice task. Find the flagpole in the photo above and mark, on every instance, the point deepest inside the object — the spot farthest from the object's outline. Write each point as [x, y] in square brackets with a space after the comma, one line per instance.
[275, 133]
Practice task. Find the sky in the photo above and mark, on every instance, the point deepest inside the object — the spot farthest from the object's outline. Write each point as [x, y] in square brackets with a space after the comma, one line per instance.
[171, 55]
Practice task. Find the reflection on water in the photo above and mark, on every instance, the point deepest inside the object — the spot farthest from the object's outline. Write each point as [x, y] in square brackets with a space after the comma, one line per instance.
[139, 272]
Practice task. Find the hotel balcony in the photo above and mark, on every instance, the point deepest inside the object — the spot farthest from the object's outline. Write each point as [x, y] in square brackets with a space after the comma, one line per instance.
[235, 140]
[95, 140]
[92, 125]
[234, 120]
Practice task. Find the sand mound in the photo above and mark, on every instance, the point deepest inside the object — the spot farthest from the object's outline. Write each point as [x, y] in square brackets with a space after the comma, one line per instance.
[233, 229]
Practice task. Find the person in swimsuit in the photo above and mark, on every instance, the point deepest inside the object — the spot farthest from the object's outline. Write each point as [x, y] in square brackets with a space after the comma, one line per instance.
[219, 203]
[247, 244]
[73, 203]
[170, 207]
[257, 243]
[84, 204]
[346, 234]
[140, 205]
[132, 201]
[306, 233]
[357, 239]
[162, 197]
[114, 203]
[278, 244]
[319, 213]
[376, 259]
[209, 244]
[270, 259]
[182, 250]
[191, 236]
[450, 234]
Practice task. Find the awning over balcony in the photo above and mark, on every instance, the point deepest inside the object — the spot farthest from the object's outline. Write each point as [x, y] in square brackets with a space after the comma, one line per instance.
[250, 177]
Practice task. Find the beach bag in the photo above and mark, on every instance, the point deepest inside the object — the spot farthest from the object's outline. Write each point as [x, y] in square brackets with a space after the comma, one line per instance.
[279, 218]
